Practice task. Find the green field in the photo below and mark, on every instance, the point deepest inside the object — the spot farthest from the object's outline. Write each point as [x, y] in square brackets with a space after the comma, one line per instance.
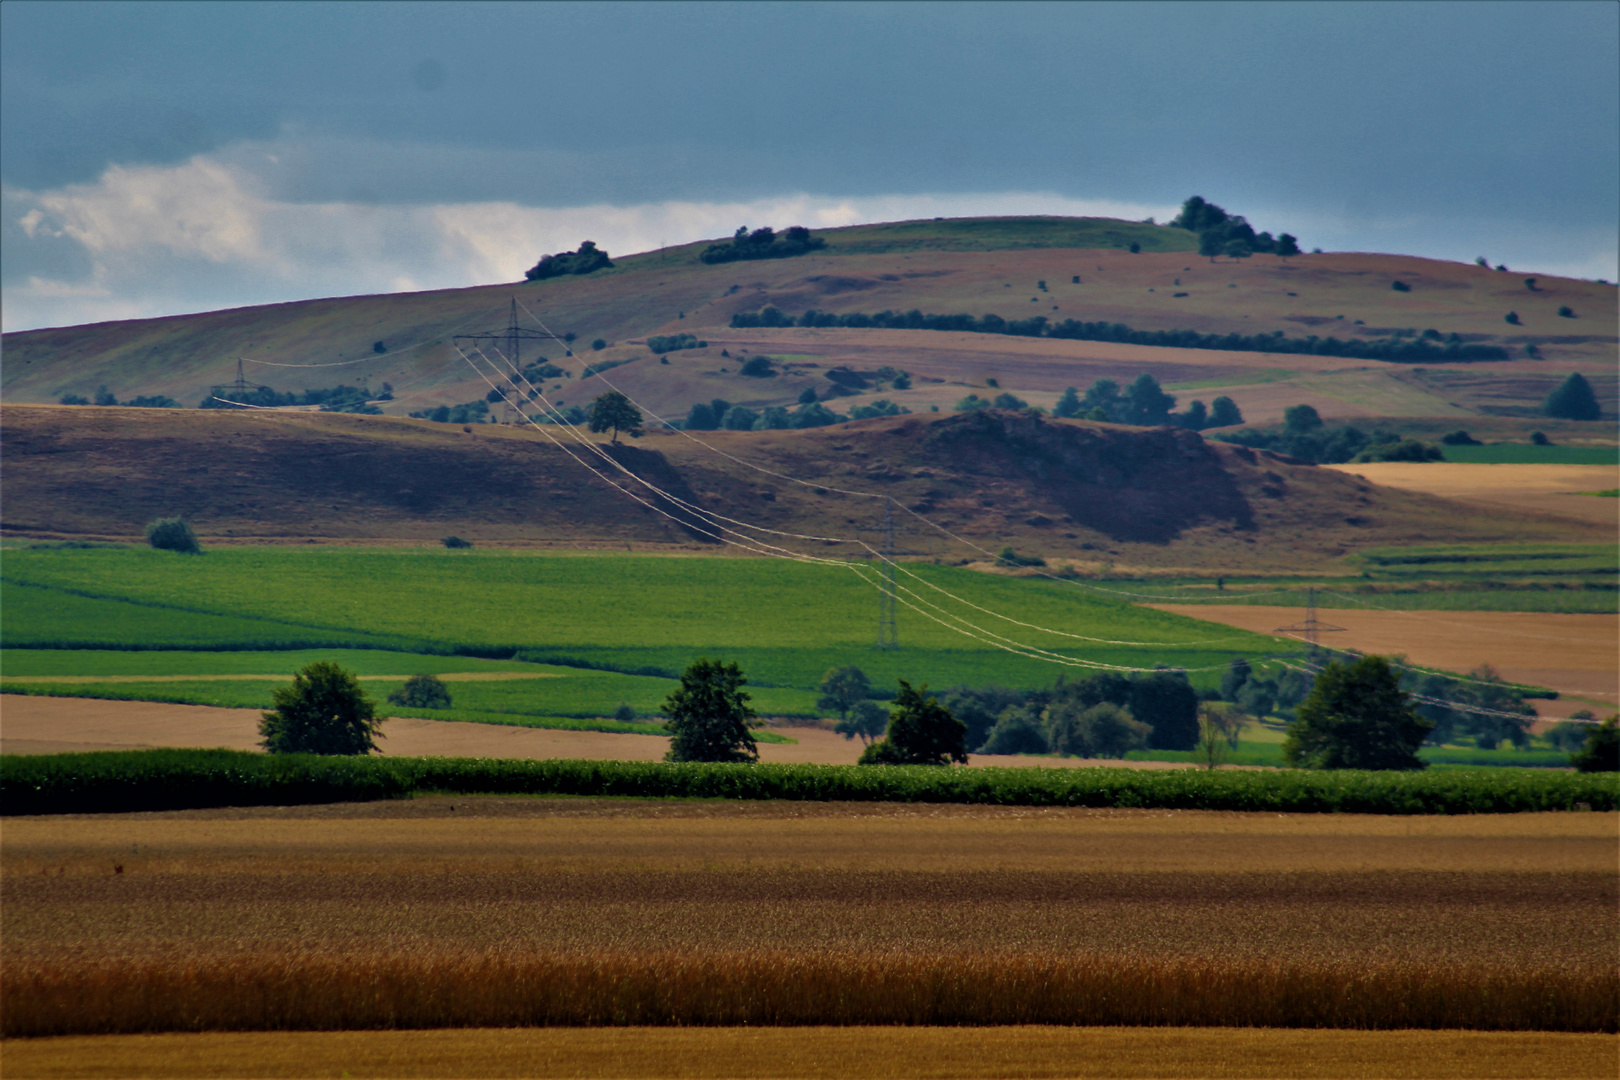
[1530, 454]
[787, 623]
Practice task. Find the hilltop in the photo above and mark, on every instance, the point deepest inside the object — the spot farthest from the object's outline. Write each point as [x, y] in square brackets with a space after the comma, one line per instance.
[1014, 268]
[1068, 491]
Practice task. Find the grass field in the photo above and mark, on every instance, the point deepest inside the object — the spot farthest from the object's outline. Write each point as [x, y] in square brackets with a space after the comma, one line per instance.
[785, 623]
[465, 912]
[843, 1053]
[1530, 454]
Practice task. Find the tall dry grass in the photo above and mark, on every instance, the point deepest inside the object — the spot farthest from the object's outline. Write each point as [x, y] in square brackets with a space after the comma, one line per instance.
[269, 991]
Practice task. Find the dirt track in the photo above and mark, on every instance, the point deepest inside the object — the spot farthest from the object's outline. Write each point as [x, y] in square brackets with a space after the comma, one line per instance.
[52, 725]
[1578, 655]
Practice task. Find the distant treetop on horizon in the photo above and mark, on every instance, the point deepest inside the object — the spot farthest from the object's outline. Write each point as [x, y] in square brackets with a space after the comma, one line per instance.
[1220, 233]
[587, 259]
[763, 243]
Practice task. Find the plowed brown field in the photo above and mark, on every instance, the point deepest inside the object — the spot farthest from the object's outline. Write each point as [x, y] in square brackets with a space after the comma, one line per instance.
[1547, 489]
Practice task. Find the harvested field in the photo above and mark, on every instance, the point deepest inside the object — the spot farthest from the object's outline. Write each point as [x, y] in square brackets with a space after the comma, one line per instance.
[1546, 489]
[1578, 655]
[856, 1053]
[464, 912]
[54, 725]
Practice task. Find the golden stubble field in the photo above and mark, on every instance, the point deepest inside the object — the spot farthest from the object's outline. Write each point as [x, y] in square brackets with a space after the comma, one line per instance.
[506, 912]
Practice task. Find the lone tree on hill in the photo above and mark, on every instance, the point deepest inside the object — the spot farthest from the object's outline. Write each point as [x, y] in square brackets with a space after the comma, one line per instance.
[421, 692]
[613, 411]
[921, 732]
[324, 711]
[709, 714]
[1573, 400]
[1356, 717]
[173, 534]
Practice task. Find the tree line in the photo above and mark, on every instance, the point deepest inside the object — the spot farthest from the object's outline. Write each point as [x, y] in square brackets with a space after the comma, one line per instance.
[341, 398]
[1220, 233]
[1395, 349]
[588, 259]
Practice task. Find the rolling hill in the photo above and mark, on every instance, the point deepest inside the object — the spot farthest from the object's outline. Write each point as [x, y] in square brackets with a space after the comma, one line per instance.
[1015, 268]
[963, 485]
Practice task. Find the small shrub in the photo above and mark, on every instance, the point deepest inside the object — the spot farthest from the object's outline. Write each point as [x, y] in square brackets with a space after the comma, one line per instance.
[598, 344]
[1460, 438]
[1400, 286]
[378, 347]
[1602, 750]
[757, 367]
[421, 692]
[173, 534]
[1512, 318]
[73, 399]
[1539, 438]
[1009, 557]
[456, 542]
[625, 714]
[1566, 312]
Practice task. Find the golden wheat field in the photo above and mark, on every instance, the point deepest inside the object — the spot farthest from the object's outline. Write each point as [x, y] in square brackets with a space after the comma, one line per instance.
[464, 912]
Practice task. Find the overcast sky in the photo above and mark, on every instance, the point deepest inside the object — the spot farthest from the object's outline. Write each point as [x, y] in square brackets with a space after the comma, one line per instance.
[165, 158]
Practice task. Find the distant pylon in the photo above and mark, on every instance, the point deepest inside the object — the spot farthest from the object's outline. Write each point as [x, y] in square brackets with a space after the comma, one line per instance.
[1312, 626]
[888, 631]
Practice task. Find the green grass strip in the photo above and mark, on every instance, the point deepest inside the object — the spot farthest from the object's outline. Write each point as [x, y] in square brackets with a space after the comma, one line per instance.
[124, 781]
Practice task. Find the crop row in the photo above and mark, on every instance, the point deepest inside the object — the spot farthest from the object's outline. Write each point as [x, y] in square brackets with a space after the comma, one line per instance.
[125, 781]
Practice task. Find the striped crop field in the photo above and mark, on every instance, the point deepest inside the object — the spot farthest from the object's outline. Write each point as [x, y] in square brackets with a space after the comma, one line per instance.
[458, 911]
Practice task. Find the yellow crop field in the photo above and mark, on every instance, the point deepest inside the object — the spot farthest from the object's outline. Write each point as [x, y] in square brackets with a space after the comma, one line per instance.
[467, 912]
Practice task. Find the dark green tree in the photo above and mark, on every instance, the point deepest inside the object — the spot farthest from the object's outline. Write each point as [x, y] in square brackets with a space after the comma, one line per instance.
[739, 418]
[1287, 245]
[1356, 717]
[709, 714]
[1211, 244]
[701, 418]
[1146, 403]
[612, 411]
[1166, 702]
[1573, 400]
[921, 732]
[1602, 750]
[324, 711]
[1068, 405]
[1103, 730]
[866, 719]
[1237, 673]
[1017, 731]
[1223, 412]
[421, 692]
[1300, 419]
[841, 688]
[173, 534]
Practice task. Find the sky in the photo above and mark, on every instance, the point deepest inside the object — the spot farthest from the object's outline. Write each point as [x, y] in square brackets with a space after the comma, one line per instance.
[161, 158]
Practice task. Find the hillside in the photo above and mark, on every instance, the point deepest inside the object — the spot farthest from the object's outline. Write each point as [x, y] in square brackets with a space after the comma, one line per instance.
[1065, 490]
[975, 266]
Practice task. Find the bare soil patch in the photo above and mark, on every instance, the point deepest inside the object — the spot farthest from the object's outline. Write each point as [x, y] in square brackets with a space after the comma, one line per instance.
[1578, 655]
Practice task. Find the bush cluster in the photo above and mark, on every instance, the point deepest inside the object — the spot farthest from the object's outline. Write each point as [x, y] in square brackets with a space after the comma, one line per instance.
[587, 259]
[124, 781]
[668, 343]
[764, 243]
[470, 412]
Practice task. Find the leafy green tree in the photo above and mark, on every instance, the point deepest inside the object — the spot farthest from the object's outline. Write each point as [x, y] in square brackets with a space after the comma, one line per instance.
[1017, 731]
[739, 418]
[1573, 400]
[1356, 717]
[1166, 702]
[323, 711]
[1225, 412]
[701, 418]
[709, 714]
[1103, 730]
[73, 399]
[1237, 673]
[866, 719]
[1068, 405]
[613, 411]
[586, 260]
[1196, 418]
[775, 418]
[105, 396]
[1146, 403]
[1287, 245]
[1211, 244]
[1602, 750]
[421, 692]
[921, 732]
[1300, 419]
[842, 688]
[173, 534]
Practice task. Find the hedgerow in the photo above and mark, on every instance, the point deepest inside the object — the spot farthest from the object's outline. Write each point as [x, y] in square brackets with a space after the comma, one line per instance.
[123, 781]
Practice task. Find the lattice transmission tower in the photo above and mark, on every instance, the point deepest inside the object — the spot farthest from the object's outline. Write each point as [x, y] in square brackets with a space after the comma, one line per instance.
[508, 343]
[1312, 626]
